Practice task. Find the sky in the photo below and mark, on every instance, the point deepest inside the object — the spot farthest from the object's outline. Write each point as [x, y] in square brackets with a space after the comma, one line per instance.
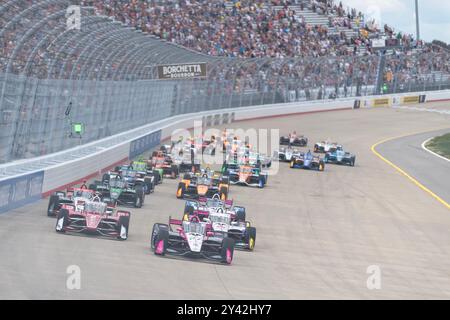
[400, 14]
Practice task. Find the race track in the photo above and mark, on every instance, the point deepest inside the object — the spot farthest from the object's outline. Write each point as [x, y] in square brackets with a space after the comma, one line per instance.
[432, 171]
[317, 233]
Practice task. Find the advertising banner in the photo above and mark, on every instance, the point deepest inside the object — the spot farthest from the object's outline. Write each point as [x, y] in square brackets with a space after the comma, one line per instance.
[383, 102]
[411, 100]
[182, 71]
[20, 191]
[145, 143]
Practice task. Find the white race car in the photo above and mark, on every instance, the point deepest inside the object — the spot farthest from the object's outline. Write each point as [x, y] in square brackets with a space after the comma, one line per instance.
[286, 154]
[224, 218]
[326, 146]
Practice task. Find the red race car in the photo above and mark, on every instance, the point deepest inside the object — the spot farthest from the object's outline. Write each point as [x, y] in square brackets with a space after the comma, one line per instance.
[93, 217]
[59, 198]
[163, 162]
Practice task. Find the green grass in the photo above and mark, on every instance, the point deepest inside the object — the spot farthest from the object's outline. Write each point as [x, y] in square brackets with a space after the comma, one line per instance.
[440, 145]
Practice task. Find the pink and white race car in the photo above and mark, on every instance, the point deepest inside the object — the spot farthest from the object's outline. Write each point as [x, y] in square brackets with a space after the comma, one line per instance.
[93, 217]
[192, 238]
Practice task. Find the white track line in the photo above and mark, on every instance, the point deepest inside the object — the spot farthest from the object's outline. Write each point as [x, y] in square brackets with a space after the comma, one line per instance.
[445, 112]
[433, 153]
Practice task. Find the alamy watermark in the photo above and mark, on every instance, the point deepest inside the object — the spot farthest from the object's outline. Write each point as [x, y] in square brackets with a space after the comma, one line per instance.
[229, 145]
[73, 281]
[73, 18]
[374, 280]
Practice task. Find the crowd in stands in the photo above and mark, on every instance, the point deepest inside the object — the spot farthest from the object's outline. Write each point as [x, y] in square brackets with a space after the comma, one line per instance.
[233, 29]
[238, 28]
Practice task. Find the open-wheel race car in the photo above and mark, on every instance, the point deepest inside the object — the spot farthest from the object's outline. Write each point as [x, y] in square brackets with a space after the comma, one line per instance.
[120, 191]
[135, 178]
[294, 140]
[164, 164]
[208, 146]
[145, 170]
[224, 218]
[192, 238]
[194, 185]
[286, 154]
[307, 161]
[247, 175]
[72, 196]
[326, 146]
[93, 217]
[340, 157]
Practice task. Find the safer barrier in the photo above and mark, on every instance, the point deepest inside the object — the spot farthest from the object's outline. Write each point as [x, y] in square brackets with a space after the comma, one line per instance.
[30, 182]
[19, 191]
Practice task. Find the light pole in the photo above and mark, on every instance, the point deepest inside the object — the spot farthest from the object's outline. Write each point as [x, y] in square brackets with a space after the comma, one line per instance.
[417, 21]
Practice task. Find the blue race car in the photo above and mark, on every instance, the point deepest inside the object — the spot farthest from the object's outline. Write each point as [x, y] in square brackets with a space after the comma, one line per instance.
[307, 161]
[340, 156]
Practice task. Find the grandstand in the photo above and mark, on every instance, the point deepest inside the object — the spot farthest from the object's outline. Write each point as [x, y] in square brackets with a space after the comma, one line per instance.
[257, 52]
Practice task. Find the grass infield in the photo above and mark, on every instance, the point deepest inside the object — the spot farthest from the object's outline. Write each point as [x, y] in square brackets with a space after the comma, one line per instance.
[440, 145]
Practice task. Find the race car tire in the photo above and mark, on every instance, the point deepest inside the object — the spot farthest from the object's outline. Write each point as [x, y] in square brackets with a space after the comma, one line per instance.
[148, 185]
[53, 203]
[223, 193]
[180, 191]
[160, 177]
[62, 220]
[124, 221]
[352, 163]
[227, 250]
[105, 178]
[174, 172]
[155, 230]
[250, 237]
[225, 180]
[162, 239]
[291, 164]
[261, 182]
[139, 201]
[321, 166]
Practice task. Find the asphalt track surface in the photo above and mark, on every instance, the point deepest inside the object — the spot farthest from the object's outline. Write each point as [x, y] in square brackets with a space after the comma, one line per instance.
[433, 172]
[317, 233]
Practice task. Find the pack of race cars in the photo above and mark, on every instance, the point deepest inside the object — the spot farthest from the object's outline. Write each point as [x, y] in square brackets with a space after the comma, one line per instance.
[297, 159]
[211, 225]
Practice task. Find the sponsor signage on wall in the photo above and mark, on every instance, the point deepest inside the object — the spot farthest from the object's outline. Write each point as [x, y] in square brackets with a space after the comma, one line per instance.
[218, 119]
[182, 71]
[414, 99]
[384, 102]
[20, 191]
[410, 100]
[145, 143]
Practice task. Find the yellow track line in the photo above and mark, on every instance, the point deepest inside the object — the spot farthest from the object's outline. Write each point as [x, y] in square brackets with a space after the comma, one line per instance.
[413, 180]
